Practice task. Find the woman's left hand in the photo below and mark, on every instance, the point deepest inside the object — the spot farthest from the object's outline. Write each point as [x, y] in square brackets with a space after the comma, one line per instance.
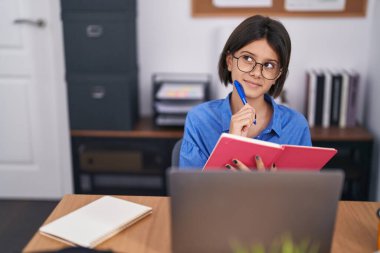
[238, 165]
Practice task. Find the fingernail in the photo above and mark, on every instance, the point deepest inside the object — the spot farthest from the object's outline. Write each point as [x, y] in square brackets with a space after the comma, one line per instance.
[257, 157]
[235, 161]
[228, 166]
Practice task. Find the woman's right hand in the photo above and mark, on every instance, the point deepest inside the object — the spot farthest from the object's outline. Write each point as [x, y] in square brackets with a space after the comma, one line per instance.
[242, 120]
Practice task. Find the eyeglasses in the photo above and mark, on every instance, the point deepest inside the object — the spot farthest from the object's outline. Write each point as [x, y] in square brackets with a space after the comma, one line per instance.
[269, 70]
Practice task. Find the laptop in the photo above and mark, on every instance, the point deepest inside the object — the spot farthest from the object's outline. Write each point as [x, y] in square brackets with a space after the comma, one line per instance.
[223, 211]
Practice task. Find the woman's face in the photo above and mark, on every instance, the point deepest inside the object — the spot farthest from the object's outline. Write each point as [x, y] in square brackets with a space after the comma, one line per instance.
[253, 82]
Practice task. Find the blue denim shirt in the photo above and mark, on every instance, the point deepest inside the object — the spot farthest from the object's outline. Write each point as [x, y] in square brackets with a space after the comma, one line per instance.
[207, 121]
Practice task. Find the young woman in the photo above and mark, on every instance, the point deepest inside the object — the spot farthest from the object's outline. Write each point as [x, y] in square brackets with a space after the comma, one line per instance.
[257, 55]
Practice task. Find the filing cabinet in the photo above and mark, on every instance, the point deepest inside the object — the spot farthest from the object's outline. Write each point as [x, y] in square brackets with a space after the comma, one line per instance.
[101, 63]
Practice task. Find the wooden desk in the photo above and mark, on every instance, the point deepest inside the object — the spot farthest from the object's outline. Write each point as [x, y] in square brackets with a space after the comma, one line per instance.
[355, 230]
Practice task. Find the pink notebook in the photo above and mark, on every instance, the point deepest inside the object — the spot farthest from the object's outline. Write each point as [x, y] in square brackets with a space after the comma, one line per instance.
[291, 157]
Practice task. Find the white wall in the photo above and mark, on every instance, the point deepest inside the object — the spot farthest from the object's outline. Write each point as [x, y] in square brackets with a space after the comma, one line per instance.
[373, 92]
[171, 40]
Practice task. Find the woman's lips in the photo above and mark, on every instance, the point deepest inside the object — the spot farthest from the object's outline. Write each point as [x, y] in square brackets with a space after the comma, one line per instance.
[252, 84]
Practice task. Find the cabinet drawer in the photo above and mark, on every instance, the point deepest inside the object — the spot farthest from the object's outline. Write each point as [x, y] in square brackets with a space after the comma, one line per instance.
[99, 42]
[136, 156]
[107, 103]
[111, 161]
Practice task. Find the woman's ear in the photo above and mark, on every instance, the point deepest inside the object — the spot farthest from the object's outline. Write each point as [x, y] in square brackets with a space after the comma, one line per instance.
[229, 60]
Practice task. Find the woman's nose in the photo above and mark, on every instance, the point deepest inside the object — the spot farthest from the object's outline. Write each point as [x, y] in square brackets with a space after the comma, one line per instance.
[256, 71]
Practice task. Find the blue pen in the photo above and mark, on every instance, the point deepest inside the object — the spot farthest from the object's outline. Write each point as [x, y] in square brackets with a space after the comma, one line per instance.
[241, 93]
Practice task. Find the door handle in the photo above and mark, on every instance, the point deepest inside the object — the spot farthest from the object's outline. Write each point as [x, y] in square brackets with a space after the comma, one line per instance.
[38, 22]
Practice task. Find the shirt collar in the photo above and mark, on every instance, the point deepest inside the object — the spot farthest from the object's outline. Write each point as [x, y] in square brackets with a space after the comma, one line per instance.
[226, 114]
[274, 124]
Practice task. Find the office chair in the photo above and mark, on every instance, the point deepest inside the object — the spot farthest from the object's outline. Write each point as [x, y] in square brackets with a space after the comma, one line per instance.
[175, 153]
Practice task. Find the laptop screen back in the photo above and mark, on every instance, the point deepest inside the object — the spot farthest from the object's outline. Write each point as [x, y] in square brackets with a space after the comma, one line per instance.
[222, 211]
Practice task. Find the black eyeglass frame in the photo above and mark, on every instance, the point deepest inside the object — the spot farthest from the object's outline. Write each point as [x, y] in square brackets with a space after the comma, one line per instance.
[254, 66]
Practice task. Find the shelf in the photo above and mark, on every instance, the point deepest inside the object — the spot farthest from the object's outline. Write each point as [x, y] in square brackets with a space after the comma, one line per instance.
[145, 172]
[144, 128]
[340, 134]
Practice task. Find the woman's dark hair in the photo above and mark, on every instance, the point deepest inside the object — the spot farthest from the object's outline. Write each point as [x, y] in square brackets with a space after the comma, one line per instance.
[255, 28]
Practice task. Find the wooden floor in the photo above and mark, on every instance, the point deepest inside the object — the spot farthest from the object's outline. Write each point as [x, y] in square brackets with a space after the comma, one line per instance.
[19, 220]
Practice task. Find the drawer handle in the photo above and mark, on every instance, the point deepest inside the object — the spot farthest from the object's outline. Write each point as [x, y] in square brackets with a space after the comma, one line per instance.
[94, 31]
[98, 92]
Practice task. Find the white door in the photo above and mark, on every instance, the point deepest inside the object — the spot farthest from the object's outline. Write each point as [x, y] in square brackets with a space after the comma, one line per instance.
[34, 135]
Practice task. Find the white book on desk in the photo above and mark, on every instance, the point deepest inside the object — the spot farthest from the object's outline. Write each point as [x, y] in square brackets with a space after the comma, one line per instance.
[94, 223]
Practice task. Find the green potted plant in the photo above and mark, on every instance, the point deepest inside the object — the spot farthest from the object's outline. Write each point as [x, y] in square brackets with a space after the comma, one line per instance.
[283, 245]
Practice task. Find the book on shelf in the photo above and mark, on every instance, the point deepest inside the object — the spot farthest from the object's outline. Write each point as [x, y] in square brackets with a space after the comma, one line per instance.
[335, 98]
[327, 99]
[319, 98]
[352, 99]
[331, 98]
[293, 157]
[311, 96]
[95, 222]
[344, 100]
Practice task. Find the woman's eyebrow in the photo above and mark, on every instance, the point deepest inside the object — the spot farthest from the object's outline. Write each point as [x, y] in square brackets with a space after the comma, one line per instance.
[247, 52]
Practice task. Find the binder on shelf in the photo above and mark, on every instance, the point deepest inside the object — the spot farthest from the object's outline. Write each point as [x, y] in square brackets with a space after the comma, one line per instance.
[327, 99]
[331, 98]
[175, 94]
[352, 98]
[319, 98]
[311, 96]
[335, 98]
[344, 100]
